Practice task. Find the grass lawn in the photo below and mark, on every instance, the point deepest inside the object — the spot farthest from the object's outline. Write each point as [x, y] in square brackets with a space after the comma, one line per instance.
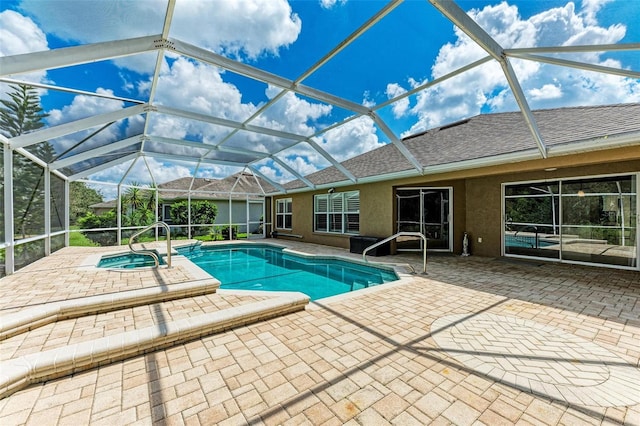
[77, 239]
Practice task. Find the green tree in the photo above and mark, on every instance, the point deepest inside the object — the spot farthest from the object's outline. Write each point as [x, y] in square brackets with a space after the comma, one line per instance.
[139, 206]
[202, 212]
[80, 198]
[22, 113]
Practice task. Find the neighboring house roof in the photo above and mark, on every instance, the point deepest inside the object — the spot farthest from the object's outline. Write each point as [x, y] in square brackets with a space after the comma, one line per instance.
[104, 205]
[236, 186]
[488, 135]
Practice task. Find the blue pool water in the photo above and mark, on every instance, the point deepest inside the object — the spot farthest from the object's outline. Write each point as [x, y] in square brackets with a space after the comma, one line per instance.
[527, 241]
[128, 260]
[262, 267]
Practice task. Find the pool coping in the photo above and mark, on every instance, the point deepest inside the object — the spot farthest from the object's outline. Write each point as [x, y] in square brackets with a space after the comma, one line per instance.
[400, 270]
[21, 372]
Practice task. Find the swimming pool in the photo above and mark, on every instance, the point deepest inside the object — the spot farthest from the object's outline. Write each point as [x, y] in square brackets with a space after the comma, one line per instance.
[527, 241]
[264, 267]
[129, 260]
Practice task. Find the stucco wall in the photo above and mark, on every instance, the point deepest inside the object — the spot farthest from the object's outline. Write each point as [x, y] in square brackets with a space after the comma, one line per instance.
[484, 214]
[476, 197]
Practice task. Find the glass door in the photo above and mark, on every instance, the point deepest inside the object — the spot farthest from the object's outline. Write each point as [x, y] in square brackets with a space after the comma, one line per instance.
[255, 218]
[425, 210]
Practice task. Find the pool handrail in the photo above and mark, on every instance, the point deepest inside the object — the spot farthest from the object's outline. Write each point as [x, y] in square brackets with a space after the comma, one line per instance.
[402, 234]
[149, 252]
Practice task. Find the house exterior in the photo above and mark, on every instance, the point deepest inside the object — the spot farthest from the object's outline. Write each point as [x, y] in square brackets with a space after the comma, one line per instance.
[485, 177]
[239, 198]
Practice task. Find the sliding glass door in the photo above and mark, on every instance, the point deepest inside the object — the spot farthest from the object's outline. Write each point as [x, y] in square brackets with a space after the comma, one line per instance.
[592, 220]
[425, 210]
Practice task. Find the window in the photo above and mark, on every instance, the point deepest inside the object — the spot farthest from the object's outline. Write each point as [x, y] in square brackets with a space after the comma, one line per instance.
[166, 213]
[284, 213]
[337, 213]
[591, 219]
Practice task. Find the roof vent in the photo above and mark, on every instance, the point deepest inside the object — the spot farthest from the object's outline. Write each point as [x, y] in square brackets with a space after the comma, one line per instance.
[457, 123]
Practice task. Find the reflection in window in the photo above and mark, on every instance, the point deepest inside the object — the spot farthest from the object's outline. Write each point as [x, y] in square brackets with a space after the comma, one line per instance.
[587, 220]
[532, 220]
[599, 220]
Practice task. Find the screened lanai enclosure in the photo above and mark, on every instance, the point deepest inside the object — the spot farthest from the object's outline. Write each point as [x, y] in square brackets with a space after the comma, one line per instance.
[119, 114]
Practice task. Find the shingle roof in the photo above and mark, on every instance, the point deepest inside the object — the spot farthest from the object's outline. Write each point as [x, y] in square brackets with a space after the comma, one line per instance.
[240, 183]
[487, 135]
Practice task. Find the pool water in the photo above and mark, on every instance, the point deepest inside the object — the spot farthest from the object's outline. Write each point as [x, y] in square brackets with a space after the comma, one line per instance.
[262, 267]
[128, 260]
[527, 241]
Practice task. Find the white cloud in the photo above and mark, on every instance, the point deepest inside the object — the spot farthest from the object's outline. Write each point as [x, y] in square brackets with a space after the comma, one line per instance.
[548, 91]
[162, 172]
[400, 107]
[292, 113]
[301, 165]
[328, 4]
[545, 85]
[84, 106]
[591, 8]
[247, 27]
[351, 139]
[200, 88]
[18, 35]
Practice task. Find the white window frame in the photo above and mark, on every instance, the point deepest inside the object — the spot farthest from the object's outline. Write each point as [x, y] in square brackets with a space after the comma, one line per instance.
[336, 209]
[561, 181]
[284, 213]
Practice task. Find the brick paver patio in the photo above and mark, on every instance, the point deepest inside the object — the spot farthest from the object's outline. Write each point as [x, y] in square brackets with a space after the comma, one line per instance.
[476, 341]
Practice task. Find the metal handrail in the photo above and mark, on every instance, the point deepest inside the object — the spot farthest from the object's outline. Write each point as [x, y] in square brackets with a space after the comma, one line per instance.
[148, 252]
[535, 228]
[401, 234]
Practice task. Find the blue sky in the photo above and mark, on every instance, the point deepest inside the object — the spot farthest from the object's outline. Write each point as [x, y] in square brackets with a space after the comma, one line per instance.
[412, 45]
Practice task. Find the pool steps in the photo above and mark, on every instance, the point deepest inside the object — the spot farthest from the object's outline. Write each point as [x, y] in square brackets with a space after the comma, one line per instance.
[39, 316]
[26, 370]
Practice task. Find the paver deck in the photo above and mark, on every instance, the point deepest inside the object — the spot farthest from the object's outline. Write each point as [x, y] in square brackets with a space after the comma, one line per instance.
[476, 341]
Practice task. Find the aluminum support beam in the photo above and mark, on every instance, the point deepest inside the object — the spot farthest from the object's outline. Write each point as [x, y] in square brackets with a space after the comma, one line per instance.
[74, 126]
[268, 179]
[9, 251]
[332, 160]
[455, 14]
[47, 211]
[182, 158]
[161, 109]
[471, 28]
[96, 152]
[574, 49]
[67, 208]
[293, 172]
[578, 65]
[263, 76]
[397, 142]
[69, 90]
[67, 56]
[524, 106]
[104, 166]
[209, 148]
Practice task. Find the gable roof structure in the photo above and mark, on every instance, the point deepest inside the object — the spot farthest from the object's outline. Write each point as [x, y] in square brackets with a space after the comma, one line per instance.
[489, 139]
[96, 142]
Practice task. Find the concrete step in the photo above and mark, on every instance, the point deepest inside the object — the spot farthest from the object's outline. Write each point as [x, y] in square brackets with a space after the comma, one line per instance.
[21, 371]
[37, 316]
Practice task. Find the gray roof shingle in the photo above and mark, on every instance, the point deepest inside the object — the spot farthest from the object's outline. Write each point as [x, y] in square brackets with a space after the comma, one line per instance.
[487, 135]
